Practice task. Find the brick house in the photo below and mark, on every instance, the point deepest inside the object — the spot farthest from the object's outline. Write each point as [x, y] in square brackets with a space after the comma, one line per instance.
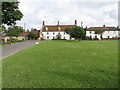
[25, 34]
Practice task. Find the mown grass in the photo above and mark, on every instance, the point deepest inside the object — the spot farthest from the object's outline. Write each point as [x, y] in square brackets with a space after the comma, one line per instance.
[63, 64]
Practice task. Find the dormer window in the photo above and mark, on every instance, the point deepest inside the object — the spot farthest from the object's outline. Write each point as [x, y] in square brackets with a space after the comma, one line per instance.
[58, 28]
[46, 28]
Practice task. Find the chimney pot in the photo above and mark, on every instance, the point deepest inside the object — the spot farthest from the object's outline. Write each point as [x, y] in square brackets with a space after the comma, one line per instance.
[43, 23]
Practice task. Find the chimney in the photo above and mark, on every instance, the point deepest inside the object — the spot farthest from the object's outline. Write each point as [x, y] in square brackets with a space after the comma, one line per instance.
[58, 22]
[75, 22]
[43, 23]
[103, 25]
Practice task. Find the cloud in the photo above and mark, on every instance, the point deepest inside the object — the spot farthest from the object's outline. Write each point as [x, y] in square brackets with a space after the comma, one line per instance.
[90, 13]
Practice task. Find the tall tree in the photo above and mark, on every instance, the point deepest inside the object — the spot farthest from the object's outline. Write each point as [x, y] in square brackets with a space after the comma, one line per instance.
[76, 32]
[10, 13]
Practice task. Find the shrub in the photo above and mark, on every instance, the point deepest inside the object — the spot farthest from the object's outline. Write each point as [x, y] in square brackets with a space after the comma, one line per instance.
[23, 39]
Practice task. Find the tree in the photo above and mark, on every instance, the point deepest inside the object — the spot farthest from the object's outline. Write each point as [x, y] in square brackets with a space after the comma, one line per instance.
[27, 30]
[31, 35]
[99, 32]
[76, 32]
[14, 31]
[2, 30]
[10, 13]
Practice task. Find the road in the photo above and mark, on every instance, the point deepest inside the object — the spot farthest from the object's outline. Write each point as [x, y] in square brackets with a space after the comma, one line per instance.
[8, 50]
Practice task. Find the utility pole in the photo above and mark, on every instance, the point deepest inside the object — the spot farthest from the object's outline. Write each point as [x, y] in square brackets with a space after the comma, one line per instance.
[81, 24]
[24, 28]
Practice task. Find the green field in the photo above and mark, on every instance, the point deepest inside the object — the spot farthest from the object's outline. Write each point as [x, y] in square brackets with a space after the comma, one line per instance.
[63, 64]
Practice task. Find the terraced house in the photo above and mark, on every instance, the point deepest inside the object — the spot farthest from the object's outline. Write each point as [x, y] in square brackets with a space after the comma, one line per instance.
[50, 32]
[109, 33]
[53, 31]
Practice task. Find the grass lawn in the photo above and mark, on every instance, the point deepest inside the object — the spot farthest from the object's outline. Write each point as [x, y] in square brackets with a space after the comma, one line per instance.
[63, 64]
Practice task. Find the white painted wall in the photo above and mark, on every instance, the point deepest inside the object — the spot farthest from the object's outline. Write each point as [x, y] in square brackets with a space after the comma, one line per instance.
[111, 34]
[51, 35]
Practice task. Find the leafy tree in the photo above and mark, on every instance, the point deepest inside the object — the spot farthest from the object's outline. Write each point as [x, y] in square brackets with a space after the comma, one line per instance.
[0, 13]
[99, 32]
[31, 35]
[14, 31]
[76, 32]
[2, 30]
[10, 13]
[27, 30]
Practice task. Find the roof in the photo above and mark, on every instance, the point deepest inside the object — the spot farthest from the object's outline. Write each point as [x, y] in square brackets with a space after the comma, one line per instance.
[23, 34]
[55, 27]
[102, 28]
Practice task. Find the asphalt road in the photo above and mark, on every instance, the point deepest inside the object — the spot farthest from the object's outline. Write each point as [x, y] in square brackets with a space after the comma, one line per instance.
[8, 50]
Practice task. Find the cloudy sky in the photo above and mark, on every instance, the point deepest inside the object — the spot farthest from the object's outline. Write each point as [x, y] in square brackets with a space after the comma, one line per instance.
[90, 12]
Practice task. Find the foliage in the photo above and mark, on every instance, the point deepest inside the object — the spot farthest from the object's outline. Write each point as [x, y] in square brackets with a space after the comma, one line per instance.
[99, 32]
[14, 31]
[76, 32]
[31, 35]
[58, 36]
[10, 13]
[63, 64]
[2, 29]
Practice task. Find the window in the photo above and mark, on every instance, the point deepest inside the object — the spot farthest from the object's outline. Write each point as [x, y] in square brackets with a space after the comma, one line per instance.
[59, 33]
[90, 32]
[108, 36]
[64, 37]
[53, 33]
[46, 28]
[58, 28]
[48, 37]
[64, 33]
[47, 33]
[95, 36]
[53, 37]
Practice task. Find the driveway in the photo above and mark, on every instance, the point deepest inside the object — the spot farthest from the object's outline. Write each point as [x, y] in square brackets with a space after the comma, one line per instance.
[8, 50]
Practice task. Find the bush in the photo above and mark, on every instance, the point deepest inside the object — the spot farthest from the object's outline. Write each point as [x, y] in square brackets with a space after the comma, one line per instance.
[23, 39]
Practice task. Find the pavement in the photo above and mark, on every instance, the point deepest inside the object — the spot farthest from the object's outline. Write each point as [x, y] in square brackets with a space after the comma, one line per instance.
[8, 50]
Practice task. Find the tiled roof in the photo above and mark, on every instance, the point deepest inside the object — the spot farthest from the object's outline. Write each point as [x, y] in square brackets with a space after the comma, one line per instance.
[36, 32]
[23, 34]
[55, 27]
[102, 28]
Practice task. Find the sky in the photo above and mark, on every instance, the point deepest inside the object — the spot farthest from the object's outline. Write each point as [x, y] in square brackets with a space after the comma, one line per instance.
[91, 12]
